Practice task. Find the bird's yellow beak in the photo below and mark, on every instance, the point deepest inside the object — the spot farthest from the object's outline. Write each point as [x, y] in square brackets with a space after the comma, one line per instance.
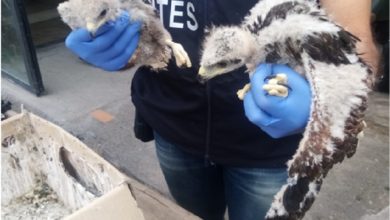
[202, 71]
[209, 73]
[91, 27]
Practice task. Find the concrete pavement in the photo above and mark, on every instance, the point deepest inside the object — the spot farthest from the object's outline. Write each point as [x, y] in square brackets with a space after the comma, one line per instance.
[356, 188]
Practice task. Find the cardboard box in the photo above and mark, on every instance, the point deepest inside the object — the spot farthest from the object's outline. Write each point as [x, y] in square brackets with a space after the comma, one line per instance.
[49, 174]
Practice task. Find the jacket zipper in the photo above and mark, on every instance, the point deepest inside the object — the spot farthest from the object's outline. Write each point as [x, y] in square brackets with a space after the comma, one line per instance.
[208, 101]
[208, 125]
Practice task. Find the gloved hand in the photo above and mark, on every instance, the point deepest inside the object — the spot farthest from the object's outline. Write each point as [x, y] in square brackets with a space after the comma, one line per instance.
[111, 48]
[278, 116]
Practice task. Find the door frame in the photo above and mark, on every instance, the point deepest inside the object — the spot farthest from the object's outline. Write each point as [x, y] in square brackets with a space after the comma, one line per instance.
[28, 51]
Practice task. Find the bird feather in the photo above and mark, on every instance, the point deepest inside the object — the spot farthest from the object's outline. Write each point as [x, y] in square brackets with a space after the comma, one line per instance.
[300, 34]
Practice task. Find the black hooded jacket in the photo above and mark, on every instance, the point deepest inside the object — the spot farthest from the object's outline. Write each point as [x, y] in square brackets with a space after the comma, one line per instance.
[205, 119]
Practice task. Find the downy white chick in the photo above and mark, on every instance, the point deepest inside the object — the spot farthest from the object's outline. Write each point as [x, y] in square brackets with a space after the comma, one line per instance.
[155, 46]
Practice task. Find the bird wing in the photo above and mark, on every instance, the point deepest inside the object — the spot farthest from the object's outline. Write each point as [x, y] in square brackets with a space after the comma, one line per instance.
[339, 83]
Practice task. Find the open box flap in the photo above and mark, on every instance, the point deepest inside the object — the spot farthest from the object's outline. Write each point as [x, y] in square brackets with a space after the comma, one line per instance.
[117, 204]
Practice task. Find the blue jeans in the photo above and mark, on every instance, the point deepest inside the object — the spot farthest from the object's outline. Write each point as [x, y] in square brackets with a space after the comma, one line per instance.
[206, 189]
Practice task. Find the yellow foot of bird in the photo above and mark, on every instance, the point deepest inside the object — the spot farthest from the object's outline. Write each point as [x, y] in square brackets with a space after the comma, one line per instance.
[181, 56]
[241, 93]
[277, 86]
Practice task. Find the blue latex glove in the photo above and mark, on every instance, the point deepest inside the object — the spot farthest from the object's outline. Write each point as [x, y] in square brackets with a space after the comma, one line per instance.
[111, 48]
[278, 116]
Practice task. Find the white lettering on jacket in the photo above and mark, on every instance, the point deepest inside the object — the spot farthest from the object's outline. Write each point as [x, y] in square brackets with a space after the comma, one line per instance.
[161, 3]
[190, 11]
[181, 13]
[175, 12]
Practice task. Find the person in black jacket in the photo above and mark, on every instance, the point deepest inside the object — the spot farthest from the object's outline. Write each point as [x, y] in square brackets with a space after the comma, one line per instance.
[211, 155]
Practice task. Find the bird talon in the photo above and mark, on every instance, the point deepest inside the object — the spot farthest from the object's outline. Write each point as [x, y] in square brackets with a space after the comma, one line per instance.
[181, 56]
[277, 85]
[241, 93]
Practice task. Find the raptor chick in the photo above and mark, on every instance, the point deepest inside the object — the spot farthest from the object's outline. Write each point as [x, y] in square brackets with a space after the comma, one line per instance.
[155, 47]
[299, 34]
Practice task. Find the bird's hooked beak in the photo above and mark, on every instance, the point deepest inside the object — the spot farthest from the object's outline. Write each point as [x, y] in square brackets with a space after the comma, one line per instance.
[91, 27]
[202, 71]
[202, 75]
[208, 73]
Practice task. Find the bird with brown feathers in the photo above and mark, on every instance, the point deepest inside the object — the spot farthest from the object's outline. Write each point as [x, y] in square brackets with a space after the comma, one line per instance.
[299, 34]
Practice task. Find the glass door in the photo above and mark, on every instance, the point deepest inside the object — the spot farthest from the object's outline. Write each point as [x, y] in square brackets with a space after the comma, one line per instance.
[18, 57]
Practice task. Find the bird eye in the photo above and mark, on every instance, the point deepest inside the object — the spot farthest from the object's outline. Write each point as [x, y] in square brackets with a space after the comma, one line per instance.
[103, 13]
[236, 61]
[222, 64]
[300, 9]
